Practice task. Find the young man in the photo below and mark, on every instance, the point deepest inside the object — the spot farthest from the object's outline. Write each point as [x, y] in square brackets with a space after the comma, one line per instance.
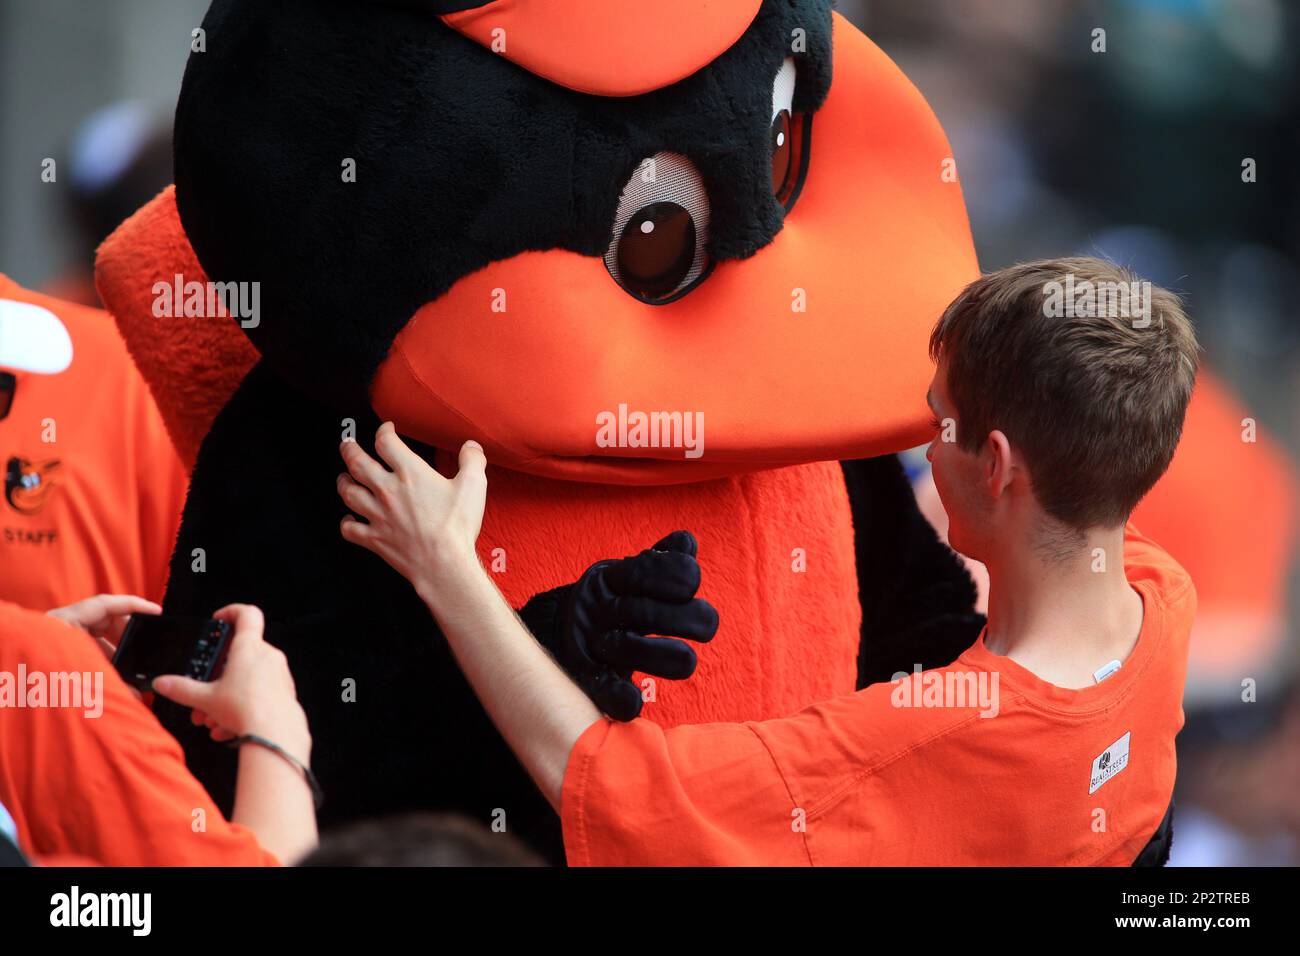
[1058, 400]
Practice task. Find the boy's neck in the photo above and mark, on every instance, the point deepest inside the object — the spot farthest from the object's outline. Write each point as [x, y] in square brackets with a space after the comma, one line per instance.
[1064, 615]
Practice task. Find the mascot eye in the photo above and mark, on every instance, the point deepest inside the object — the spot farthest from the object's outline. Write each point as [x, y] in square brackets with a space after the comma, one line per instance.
[781, 152]
[660, 230]
[787, 137]
[656, 250]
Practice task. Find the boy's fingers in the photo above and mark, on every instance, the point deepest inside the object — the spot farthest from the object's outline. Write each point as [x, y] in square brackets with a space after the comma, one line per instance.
[357, 497]
[363, 535]
[115, 605]
[244, 615]
[245, 620]
[102, 613]
[183, 690]
[361, 466]
[357, 532]
[473, 461]
[116, 629]
[393, 450]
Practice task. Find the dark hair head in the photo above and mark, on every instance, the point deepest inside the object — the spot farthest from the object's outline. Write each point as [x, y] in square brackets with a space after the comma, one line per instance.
[420, 839]
[1086, 370]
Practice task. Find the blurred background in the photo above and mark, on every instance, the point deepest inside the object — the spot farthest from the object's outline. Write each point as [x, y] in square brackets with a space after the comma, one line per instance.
[1129, 143]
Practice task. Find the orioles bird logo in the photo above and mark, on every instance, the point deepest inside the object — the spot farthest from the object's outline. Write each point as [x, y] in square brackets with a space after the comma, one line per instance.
[28, 484]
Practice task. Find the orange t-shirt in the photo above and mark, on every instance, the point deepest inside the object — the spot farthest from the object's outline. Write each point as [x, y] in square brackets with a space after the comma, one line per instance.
[93, 486]
[909, 772]
[111, 788]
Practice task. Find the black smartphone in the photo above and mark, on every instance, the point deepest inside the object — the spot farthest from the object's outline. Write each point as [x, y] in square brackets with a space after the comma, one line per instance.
[156, 644]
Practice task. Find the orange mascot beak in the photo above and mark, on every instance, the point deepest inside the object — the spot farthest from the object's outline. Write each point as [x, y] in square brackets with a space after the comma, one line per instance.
[815, 348]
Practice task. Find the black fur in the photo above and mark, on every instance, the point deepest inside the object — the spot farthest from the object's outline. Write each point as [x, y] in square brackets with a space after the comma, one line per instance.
[1161, 844]
[264, 510]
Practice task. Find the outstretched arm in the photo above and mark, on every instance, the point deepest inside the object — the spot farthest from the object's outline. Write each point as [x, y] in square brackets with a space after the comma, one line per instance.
[425, 526]
[539, 711]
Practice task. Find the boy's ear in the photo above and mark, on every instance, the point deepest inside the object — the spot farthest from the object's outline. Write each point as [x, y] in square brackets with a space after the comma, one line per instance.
[997, 450]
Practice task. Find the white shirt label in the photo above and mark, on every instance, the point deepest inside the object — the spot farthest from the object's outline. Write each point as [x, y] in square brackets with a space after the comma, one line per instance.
[1109, 762]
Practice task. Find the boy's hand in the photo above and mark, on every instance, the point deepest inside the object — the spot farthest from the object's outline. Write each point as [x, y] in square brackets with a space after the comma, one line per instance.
[418, 521]
[597, 628]
[104, 616]
[254, 694]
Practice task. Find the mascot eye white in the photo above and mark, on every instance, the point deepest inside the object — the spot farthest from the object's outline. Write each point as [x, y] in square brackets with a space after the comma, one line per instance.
[488, 273]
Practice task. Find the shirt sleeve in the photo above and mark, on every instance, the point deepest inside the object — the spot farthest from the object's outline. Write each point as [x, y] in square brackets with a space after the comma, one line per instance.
[635, 794]
[1144, 559]
[103, 779]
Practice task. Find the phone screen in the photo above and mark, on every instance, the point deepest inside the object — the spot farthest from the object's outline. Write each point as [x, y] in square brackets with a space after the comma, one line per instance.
[166, 644]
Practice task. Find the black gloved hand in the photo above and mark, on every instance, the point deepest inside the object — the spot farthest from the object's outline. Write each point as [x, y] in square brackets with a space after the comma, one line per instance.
[598, 628]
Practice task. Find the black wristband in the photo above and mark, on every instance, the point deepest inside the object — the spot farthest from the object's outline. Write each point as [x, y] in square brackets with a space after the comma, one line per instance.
[317, 794]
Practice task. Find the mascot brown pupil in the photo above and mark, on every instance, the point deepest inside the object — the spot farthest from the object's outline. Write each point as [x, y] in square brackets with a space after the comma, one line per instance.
[656, 250]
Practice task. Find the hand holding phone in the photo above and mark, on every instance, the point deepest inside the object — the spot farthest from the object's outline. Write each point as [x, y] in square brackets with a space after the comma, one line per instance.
[104, 617]
[253, 694]
[155, 644]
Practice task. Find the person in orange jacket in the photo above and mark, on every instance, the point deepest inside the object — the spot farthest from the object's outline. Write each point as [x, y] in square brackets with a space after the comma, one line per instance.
[1049, 741]
[88, 775]
[93, 486]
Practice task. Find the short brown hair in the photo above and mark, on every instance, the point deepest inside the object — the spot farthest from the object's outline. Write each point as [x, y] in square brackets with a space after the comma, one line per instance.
[420, 839]
[1092, 393]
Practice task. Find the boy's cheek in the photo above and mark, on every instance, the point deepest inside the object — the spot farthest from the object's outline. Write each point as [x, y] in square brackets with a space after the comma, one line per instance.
[949, 494]
[940, 484]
